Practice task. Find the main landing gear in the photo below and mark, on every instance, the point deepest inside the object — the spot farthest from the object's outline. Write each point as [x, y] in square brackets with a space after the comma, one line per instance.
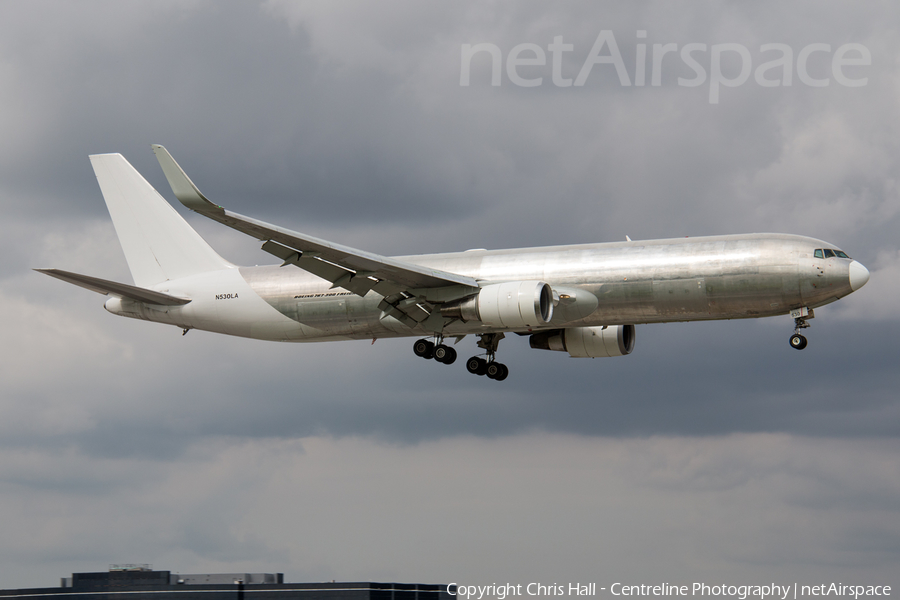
[488, 366]
[800, 322]
[439, 352]
[477, 365]
[494, 370]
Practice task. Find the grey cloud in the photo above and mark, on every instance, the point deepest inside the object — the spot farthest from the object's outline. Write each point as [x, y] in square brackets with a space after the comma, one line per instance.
[516, 508]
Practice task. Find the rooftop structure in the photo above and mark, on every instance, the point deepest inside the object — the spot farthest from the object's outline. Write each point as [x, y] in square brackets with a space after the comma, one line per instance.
[140, 582]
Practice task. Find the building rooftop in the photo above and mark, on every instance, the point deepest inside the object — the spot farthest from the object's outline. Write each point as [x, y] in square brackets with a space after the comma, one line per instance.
[141, 582]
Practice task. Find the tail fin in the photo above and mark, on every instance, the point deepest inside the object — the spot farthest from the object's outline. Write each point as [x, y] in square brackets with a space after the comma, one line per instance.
[158, 243]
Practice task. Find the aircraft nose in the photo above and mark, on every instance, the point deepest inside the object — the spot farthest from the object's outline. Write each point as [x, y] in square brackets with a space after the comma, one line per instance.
[859, 275]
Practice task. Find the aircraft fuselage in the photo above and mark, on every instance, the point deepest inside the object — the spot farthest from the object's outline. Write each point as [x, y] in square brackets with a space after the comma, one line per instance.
[655, 281]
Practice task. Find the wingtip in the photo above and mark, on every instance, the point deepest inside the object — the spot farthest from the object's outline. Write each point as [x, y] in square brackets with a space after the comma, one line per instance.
[182, 186]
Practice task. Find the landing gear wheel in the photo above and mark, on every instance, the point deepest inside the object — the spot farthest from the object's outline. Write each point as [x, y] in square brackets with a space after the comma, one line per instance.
[798, 341]
[444, 354]
[476, 365]
[497, 371]
[423, 348]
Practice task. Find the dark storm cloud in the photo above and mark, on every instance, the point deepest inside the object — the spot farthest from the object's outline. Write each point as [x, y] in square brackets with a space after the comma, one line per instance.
[272, 123]
[233, 93]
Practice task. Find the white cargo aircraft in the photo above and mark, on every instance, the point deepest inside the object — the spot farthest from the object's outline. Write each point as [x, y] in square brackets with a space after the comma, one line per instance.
[583, 299]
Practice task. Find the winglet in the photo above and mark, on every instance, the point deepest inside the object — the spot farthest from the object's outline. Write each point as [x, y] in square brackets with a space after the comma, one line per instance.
[182, 186]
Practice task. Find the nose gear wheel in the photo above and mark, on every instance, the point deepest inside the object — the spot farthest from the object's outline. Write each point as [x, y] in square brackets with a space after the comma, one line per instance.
[798, 341]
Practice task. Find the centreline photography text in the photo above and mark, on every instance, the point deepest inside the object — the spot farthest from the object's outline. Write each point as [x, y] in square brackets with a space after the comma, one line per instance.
[698, 589]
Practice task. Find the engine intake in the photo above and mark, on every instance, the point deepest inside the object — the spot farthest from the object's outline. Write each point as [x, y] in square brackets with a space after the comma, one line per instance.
[512, 305]
[587, 342]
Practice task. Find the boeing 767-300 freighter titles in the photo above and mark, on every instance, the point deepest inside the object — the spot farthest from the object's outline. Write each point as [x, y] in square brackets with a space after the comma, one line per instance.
[583, 299]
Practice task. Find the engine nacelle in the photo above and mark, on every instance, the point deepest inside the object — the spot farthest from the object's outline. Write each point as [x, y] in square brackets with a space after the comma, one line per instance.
[516, 304]
[512, 305]
[587, 342]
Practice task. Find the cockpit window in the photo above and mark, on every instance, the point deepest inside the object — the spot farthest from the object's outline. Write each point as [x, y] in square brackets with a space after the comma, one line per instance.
[829, 253]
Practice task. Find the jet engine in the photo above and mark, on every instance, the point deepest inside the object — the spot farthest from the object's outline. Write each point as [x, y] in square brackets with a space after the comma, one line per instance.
[583, 342]
[515, 304]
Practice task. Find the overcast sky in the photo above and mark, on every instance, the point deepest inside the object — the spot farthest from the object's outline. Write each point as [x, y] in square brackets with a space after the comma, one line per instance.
[714, 452]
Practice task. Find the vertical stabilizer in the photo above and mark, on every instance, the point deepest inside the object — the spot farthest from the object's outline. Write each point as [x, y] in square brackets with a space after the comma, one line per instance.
[158, 244]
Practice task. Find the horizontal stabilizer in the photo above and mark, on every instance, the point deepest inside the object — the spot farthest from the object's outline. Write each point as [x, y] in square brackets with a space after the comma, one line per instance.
[112, 288]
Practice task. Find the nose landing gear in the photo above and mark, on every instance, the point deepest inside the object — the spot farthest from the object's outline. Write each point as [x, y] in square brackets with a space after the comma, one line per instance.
[800, 322]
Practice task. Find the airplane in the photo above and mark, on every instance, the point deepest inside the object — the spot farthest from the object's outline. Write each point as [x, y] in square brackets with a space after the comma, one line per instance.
[581, 299]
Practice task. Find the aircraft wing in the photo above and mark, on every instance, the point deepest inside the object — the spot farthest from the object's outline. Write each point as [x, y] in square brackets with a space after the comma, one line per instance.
[112, 288]
[355, 270]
